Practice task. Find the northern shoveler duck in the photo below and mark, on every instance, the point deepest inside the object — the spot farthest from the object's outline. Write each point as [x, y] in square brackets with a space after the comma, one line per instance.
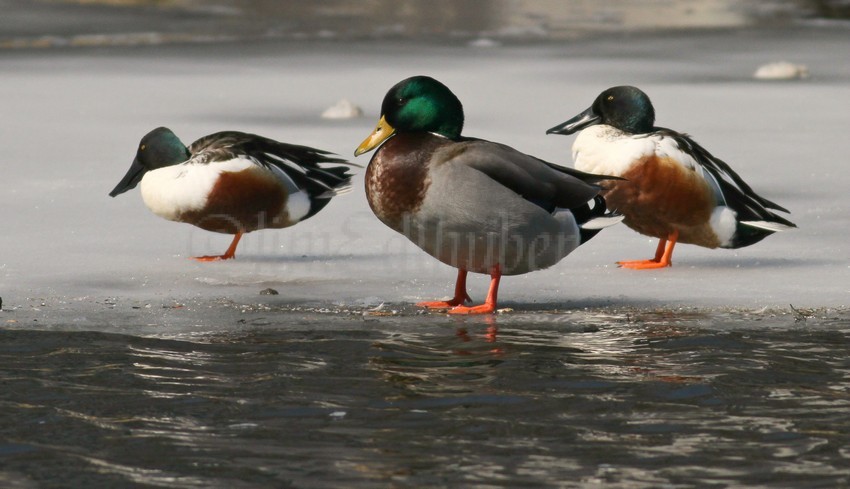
[672, 188]
[476, 205]
[232, 182]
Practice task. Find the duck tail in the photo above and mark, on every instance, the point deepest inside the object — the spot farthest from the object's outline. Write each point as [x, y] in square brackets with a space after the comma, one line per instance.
[770, 226]
[750, 232]
[602, 222]
[592, 219]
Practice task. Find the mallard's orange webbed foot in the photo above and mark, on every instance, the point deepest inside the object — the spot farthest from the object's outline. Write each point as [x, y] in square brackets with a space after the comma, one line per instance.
[445, 304]
[460, 298]
[489, 306]
[480, 309]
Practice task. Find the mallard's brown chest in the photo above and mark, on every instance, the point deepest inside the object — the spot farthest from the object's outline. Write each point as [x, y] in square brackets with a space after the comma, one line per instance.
[397, 178]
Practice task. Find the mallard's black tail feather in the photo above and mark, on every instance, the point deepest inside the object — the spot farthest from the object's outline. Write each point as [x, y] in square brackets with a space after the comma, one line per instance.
[591, 220]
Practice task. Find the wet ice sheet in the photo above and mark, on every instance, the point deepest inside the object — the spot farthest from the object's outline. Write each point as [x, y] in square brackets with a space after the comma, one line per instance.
[77, 115]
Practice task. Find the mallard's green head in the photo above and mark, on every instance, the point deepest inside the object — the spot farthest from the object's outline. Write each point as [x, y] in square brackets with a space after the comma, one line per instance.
[158, 149]
[626, 108]
[419, 103]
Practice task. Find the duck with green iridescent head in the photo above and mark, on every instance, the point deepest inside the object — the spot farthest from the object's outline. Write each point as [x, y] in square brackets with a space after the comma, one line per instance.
[232, 182]
[672, 189]
[476, 205]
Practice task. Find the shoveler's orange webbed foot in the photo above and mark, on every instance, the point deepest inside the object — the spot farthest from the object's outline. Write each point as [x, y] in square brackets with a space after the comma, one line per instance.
[229, 254]
[663, 255]
[643, 264]
[209, 258]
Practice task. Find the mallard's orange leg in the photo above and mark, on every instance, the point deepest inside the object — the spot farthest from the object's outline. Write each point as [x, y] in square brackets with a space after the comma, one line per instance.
[489, 305]
[460, 298]
[230, 253]
[663, 255]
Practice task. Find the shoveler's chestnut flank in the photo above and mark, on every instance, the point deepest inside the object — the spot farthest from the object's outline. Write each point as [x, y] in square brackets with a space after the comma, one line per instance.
[232, 182]
[672, 188]
[476, 205]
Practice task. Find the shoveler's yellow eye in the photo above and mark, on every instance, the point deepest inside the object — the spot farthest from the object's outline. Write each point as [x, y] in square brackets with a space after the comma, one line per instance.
[142, 148]
[610, 98]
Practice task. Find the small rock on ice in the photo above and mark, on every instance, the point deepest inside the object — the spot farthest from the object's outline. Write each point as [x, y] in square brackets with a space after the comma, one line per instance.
[484, 42]
[342, 110]
[781, 70]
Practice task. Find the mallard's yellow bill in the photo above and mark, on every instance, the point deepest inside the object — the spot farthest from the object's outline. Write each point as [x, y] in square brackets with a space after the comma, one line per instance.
[382, 131]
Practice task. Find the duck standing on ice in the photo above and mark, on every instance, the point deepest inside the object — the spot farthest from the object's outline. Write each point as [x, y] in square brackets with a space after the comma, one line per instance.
[672, 188]
[476, 205]
[232, 182]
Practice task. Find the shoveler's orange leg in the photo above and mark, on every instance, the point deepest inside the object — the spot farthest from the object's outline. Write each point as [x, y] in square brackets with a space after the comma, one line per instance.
[460, 298]
[230, 253]
[489, 305]
[663, 255]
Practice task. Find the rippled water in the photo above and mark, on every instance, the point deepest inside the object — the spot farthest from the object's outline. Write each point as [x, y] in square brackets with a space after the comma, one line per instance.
[586, 398]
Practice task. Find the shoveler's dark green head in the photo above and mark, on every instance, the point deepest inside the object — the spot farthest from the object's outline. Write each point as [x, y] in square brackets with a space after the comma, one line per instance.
[418, 103]
[158, 149]
[626, 108]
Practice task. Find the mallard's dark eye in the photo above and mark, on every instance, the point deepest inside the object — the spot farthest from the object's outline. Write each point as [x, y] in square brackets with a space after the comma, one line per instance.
[401, 101]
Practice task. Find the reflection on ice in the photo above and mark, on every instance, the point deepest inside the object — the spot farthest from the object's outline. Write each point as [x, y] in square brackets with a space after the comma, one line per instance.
[440, 365]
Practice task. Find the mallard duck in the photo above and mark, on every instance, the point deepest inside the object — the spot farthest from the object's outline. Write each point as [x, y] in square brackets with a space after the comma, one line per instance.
[475, 205]
[232, 182]
[672, 188]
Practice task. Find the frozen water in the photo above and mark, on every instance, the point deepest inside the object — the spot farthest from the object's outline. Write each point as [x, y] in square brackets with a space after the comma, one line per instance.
[69, 254]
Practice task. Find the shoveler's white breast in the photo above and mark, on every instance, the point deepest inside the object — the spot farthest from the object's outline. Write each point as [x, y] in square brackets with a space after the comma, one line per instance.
[686, 189]
[607, 150]
[175, 190]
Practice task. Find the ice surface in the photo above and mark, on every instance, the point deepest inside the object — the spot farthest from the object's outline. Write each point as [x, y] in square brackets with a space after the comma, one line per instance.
[72, 256]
